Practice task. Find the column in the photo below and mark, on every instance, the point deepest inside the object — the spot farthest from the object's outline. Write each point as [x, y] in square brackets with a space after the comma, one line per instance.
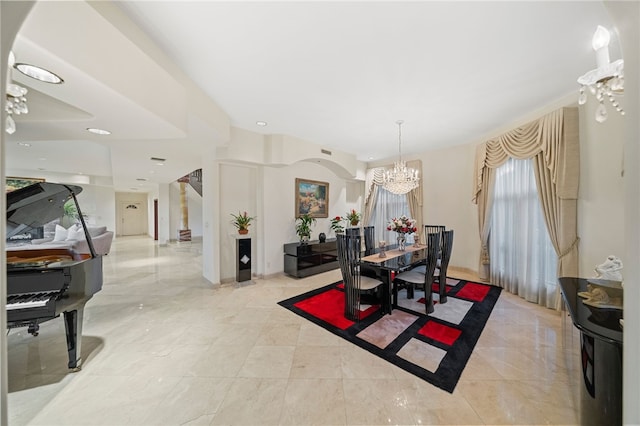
[184, 234]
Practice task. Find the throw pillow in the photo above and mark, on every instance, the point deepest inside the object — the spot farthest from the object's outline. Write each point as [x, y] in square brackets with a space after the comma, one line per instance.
[75, 233]
[61, 233]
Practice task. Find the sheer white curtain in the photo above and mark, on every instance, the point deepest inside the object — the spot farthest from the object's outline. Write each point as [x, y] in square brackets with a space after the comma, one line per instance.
[523, 260]
[388, 205]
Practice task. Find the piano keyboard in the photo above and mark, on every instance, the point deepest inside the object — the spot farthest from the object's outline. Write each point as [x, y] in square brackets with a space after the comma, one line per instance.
[30, 300]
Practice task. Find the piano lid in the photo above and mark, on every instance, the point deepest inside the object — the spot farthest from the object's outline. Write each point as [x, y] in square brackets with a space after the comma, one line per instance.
[35, 205]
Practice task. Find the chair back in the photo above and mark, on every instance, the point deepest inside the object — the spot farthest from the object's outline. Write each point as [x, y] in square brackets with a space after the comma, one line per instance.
[447, 248]
[348, 246]
[430, 229]
[353, 231]
[433, 248]
[369, 240]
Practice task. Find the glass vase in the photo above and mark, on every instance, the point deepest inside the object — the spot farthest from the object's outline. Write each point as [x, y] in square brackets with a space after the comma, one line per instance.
[402, 242]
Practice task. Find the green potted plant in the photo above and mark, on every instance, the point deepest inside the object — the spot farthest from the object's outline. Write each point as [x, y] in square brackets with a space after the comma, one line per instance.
[70, 214]
[336, 224]
[242, 222]
[353, 217]
[303, 226]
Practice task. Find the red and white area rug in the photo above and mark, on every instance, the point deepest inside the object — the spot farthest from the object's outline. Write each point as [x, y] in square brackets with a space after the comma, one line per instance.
[434, 347]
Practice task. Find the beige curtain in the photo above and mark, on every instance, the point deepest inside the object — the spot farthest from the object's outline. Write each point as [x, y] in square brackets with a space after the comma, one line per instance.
[373, 181]
[553, 143]
[414, 197]
[484, 219]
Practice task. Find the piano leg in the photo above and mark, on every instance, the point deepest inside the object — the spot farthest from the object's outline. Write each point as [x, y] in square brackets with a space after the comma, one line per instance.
[73, 327]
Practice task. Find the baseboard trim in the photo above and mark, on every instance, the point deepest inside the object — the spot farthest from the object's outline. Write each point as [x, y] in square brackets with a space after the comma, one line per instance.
[465, 273]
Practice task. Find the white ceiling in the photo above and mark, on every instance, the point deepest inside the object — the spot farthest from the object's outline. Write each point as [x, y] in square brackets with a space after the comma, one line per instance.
[338, 74]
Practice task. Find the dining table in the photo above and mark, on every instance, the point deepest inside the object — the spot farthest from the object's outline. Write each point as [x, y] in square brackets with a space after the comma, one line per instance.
[391, 263]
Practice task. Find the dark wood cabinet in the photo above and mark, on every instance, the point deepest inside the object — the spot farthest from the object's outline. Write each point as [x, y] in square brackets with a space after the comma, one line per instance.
[302, 260]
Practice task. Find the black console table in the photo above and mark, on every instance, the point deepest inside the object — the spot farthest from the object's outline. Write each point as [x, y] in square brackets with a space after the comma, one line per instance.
[601, 354]
[302, 260]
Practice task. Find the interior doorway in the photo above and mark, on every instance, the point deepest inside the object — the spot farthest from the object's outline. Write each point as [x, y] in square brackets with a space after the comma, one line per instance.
[155, 219]
[132, 218]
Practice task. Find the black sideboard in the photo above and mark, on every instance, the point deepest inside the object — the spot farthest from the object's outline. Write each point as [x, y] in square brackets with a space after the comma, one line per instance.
[302, 260]
[600, 353]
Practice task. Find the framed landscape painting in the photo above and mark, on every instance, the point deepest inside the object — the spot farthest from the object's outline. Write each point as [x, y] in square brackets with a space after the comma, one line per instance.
[14, 183]
[312, 197]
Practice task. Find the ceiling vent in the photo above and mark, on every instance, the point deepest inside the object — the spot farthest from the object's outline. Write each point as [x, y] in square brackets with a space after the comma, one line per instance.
[325, 151]
[162, 160]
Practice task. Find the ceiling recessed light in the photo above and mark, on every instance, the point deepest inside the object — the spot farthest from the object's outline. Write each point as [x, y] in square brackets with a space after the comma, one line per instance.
[26, 145]
[38, 73]
[370, 158]
[98, 131]
[261, 123]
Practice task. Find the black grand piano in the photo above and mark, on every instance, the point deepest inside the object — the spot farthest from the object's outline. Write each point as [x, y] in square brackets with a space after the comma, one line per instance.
[44, 283]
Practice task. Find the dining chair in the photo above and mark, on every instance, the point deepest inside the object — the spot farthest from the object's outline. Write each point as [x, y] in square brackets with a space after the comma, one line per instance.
[356, 285]
[443, 264]
[429, 229]
[369, 240]
[422, 275]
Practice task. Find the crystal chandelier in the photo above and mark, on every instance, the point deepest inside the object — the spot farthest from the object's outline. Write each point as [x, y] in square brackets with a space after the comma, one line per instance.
[16, 101]
[400, 179]
[606, 81]
[16, 104]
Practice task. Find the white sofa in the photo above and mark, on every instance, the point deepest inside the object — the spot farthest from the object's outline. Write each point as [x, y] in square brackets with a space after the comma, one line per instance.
[72, 238]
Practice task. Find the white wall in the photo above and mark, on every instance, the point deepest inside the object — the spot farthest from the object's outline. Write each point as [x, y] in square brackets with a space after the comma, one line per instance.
[601, 194]
[447, 176]
[238, 193]
[12, 14]
[279, 207]
[241, 186]
[627, 18]
[97, 204]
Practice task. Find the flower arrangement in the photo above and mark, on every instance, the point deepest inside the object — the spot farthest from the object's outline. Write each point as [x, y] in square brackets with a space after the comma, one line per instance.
[242, 222]
[402, 225]
[353, 217]
[336, 224]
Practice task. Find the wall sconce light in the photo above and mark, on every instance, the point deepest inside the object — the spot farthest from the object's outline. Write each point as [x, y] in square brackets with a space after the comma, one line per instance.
[606, 81]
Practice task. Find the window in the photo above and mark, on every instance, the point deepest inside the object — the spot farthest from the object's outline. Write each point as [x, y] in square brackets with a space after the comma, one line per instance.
[523, 260]
[388, 205]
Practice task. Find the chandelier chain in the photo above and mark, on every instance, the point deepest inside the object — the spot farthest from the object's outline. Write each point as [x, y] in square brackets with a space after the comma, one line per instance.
[399, 123]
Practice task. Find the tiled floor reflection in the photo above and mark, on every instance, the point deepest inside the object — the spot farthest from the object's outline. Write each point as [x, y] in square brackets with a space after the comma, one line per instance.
[163, 347]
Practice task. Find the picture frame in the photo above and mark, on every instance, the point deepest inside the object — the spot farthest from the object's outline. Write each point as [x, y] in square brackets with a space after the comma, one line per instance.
[312, 197]
[13, 183]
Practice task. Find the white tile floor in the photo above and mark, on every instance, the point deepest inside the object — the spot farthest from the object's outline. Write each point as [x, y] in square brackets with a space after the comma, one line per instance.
[163, 347]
